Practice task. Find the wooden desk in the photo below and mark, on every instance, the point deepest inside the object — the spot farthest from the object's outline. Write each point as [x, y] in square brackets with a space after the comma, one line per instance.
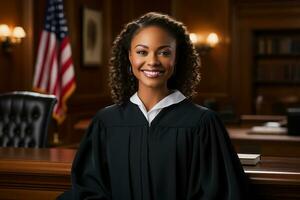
[267, 145]
[45, 173]
[260, 119]
[34, 173]
[275, 178]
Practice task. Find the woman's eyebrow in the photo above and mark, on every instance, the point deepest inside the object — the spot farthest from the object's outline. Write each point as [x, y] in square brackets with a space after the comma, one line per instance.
[141, 45]
[145, 46]
[164, 46]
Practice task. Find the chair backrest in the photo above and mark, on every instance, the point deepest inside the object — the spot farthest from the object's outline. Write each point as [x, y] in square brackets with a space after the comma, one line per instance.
[24, 119]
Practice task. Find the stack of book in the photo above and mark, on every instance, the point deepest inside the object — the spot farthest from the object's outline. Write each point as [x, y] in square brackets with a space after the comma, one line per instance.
[249, 159]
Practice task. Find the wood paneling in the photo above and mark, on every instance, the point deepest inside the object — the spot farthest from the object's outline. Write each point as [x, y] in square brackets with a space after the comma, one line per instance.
[128, 10]
[265, 144]
[204, 17]
[16, 67]
[34, 173]
[247, 18]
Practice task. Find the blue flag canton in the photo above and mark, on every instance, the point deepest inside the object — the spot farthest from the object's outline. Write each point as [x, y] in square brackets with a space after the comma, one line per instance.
[55, 19]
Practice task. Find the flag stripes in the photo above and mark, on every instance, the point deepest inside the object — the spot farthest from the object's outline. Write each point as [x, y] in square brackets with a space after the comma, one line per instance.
[54, 70]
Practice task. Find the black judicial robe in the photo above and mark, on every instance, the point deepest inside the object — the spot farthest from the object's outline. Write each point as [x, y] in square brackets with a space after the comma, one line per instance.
[185, 154]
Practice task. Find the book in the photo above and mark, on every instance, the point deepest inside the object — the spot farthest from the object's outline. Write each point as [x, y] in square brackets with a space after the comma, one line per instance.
[249, 159]
[261, 45]
[285, 46]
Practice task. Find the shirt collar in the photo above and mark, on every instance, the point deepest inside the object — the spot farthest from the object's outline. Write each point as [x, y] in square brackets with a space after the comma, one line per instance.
[169, 100]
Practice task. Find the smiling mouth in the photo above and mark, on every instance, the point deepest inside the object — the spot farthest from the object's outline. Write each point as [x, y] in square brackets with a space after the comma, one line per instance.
[152, 73]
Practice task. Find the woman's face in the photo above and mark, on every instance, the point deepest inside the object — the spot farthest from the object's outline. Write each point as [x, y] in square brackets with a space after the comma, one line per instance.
[152, 57]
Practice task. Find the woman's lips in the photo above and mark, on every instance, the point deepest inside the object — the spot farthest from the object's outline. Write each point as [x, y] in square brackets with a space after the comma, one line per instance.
[152, 73]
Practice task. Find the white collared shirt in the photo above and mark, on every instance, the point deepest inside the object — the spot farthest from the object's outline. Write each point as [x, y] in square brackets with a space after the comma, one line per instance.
[169, 100]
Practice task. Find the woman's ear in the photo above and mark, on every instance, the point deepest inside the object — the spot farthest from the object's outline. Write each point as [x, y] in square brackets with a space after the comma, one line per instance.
[129, 55]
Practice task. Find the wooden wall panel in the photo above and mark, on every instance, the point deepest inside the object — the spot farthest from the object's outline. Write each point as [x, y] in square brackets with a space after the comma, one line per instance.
[15, 67]
[204, 17]
[249, 17]
[128, 10]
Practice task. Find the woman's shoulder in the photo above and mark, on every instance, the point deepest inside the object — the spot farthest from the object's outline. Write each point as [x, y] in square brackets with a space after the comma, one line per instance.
[114, 114]
[195, 109]
[207, 115]
[111, 109]
[187, 113]
[108, 111]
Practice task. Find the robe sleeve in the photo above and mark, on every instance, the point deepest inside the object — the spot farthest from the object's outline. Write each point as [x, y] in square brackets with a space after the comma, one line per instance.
[217, 173]
[90, 176]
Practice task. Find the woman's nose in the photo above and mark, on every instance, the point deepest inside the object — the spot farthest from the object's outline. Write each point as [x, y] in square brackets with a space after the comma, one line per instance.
[153, 60]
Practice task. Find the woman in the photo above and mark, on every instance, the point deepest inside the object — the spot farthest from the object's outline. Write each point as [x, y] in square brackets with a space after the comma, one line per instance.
[154, 143]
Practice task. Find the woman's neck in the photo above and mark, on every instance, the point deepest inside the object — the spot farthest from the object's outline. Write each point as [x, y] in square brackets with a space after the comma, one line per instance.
[151, 96]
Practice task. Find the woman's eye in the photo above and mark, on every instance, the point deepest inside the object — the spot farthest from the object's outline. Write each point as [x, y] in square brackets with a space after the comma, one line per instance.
[165, 53]
[142, 53]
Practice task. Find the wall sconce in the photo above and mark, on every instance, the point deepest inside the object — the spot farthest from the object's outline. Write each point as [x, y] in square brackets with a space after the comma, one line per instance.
[202, 44]
[10, 37]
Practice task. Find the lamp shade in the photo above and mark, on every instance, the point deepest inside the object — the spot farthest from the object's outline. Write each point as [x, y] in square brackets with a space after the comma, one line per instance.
[212, 39]
[4, 30]
[18, 32]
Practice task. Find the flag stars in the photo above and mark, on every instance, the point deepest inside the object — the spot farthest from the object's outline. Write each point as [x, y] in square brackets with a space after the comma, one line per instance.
[49, 17]
[51, 9]
[62, 21]
[55, 19]
[62, 35]
[63, 28]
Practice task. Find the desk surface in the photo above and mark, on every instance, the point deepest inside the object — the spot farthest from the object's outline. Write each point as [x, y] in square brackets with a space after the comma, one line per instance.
[46, 173]
[265, 144]
[63, 158]
[35, 161]
[34, 173]
[244, 134]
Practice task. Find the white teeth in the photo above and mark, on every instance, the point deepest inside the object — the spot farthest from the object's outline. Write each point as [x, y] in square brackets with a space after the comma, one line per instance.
[152, 74]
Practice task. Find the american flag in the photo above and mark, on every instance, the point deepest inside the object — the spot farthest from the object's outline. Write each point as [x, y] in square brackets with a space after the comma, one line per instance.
[54, 70]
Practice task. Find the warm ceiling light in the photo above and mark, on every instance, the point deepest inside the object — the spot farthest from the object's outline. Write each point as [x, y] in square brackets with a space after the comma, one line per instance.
[9, 38]
[4, 30]
[193, 38]
[202, 44]
[18, 32]
[212, 39]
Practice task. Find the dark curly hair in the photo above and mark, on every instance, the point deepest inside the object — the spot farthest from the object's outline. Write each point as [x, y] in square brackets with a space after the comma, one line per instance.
[186, 74]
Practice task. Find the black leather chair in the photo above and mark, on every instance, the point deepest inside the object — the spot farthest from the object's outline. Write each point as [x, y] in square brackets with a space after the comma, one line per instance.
[24, 119]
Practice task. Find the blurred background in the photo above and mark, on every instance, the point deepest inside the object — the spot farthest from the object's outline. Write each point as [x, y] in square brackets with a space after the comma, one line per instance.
[249, 51]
